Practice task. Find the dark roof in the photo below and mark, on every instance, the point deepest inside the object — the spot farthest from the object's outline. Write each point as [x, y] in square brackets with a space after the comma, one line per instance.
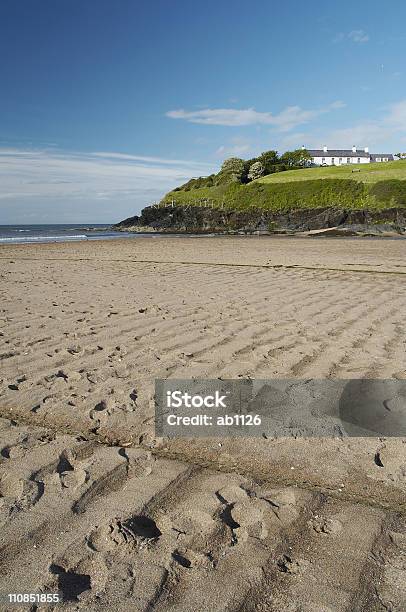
[338, 153]
[388, 155]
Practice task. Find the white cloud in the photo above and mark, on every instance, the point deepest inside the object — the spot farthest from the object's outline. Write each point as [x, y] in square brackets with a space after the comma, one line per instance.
[287, 119]
[61, 183]
[149, 160]
[358, 36]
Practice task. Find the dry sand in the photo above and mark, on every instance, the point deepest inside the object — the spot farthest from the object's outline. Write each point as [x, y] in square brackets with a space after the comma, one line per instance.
[93, 505]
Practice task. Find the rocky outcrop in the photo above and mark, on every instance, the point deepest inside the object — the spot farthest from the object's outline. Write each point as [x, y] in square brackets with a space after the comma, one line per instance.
[196, 219]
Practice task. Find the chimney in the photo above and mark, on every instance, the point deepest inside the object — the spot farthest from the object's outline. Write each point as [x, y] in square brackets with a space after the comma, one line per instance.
[354, 149]
[325, 149]
[366, 150]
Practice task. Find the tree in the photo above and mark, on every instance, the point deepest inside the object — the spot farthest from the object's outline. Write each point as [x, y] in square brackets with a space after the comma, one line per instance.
[247, 165]
[304, 157]
[401, 155]
[269, 159]
[288, 158]
[233, 167]
[297, 158]
[256, 171]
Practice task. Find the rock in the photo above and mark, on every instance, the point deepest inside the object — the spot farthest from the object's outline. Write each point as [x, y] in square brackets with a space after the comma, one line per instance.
[198, 219]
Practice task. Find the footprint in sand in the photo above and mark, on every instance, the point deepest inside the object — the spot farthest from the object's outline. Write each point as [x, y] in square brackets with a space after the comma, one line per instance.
[76, 349]
[67, 473]
[72, 479]
[19, 494]
[95, 377]
[321, 524]
[138, 466]
[103, 538]
[102, 411]
[121, 371]
[18, 384]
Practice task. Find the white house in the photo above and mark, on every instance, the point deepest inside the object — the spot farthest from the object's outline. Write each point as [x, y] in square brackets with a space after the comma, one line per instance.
[339, 157]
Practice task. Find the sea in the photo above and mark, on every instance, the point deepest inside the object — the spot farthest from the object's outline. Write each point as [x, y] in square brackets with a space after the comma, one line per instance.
[15, 234]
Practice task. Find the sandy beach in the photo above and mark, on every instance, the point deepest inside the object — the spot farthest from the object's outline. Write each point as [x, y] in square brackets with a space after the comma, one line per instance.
[93, 504]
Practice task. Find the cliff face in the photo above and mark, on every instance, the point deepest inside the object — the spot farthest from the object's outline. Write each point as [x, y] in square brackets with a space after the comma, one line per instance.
[197, 219]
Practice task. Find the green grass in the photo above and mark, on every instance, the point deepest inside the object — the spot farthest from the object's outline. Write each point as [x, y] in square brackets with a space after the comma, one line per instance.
[369, 173]
[377, 186]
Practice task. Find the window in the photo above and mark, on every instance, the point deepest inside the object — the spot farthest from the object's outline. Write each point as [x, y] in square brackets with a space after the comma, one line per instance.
[378, 159]
[332, 160]
[323, 159]
[358, 160]
[348, 160]
[385, 159]
[340, 161]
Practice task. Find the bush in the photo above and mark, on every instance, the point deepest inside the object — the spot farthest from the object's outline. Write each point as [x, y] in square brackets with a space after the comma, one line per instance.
[233, 168]
[256, 171]
[197, 183]
[392, 191]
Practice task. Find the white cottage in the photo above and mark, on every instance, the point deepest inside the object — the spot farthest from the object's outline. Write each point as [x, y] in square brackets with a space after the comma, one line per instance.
[338, 157]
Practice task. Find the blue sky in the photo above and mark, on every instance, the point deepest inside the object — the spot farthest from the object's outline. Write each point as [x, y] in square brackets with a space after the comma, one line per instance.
[107, 105]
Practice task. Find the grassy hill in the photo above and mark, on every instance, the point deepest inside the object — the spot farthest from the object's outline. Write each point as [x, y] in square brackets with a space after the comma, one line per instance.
[376, 186]
[369, 173]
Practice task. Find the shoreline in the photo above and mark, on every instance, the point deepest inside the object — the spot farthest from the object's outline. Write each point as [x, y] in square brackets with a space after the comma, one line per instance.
[6, 242]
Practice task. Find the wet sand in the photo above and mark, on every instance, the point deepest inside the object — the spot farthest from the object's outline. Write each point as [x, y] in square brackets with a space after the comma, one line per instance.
[141, 523]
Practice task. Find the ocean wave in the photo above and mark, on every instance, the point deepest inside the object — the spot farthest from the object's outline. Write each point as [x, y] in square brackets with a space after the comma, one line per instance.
[44, 238]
